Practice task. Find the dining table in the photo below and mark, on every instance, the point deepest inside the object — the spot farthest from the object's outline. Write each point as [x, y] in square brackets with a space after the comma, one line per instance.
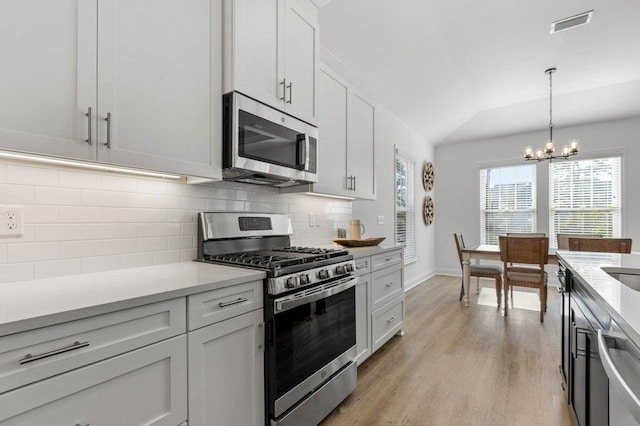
[485, 252]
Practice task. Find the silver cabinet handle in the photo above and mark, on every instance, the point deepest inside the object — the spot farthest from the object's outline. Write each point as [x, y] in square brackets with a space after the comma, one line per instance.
[233, 302]
[573, 340]
[354, 183]
[628, 397]
[31, 358]
[389, 285]
[388, 259]
[364, 265]
[391, 320]
[261, 336]
[108, 120]
[88, 424]
[89, 116]
[290, 87]
[283, 83]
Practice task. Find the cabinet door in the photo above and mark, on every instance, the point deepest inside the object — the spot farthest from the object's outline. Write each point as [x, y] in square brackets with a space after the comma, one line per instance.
[226, 372]
[579, 365]
[147, 386]
[301, 47]
[47, 77]
[159, 81]
[360, 155]
[363, 316]
[332, 146]
[254, 58]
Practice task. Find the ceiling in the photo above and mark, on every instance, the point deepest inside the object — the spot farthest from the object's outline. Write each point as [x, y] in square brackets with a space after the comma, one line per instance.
[460, 70]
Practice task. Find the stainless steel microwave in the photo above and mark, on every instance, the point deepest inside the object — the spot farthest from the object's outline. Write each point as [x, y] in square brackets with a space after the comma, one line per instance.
[264, 146]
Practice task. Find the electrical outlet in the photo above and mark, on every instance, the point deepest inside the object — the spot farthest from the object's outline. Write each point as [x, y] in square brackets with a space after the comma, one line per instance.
[380, 220]
[11, 223]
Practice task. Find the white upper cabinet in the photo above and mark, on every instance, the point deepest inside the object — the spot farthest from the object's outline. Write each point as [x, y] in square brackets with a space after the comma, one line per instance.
[360, 155]
[48, 71]
[133, 83]
[272, 53]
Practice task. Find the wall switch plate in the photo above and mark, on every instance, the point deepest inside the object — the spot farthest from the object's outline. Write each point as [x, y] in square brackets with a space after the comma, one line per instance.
[380, 220]
[11, 222]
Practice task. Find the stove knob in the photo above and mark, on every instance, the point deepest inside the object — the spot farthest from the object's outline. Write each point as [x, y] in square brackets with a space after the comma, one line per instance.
[323, 274]
[349, 267]
[340, 269]
[292, 282]
[304, 279]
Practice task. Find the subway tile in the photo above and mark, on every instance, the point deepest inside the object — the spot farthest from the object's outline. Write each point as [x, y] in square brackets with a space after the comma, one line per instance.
[151, 215]
[162, 201]
[152, 186]
[166, 229]
[35, 213]
[16, 194]
[183, 242]
[57, 268]
[58, 196]
[186, 216]
[100, 263]
[259, 207]
[179, 189]
[135, 230]
[153, 244]
[162, 257]
[136, 200]
[80, 214]
[57, 232]
[119, 246]
[101, 198]
[188, 254]
[29, 252]
[225, 193]
[80, 180]
[224, 205]
[3, 253]
[24, 175]
[136, 260]
[119, 183]
[10, 272]
[188, 229]
[77, 249]
[202, 191]
[100, 231]
[3, 173]
[118, 214]
[192, 203]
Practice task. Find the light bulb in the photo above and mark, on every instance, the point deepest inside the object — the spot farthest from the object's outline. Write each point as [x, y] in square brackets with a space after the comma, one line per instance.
[539, 154]
[573, 145]
[528, 152]
[548, 147]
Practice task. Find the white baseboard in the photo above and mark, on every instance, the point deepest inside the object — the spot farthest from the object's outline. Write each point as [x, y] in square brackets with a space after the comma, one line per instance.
[449, 272]
[408, 285]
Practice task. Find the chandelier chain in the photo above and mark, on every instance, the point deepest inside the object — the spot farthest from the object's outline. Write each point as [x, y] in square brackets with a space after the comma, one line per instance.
[550, 105]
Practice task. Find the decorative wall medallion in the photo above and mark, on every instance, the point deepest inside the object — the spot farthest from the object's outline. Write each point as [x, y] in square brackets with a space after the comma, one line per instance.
[427, 176]
[427, 210]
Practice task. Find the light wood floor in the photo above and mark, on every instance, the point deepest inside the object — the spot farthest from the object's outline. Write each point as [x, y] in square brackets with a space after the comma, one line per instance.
[462, 366]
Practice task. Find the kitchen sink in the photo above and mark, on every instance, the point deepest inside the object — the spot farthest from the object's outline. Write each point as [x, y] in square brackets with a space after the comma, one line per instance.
[627, 276]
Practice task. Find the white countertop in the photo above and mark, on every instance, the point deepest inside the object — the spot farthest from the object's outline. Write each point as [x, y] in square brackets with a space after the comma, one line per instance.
[31, 304]
[622, 302]
[359, 252]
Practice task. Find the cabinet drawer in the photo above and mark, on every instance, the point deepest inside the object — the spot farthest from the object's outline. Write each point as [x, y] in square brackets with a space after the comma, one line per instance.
[380, 261]
[220, 304]
[387, 322]
[363, 266]
[147, 386]
[37, 354]
[386, 285]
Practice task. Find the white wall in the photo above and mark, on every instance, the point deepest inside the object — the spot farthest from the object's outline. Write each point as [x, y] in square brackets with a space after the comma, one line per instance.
[390, 130]
[457, 179]
[79, 222]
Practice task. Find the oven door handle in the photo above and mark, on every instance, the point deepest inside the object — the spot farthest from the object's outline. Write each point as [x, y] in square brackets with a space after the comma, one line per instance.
[292, 301]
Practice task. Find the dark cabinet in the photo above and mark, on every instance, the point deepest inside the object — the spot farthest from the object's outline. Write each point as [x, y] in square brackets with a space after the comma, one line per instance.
[564, 277]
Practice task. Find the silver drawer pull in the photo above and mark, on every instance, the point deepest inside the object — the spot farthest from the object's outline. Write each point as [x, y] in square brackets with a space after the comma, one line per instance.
[389, 285]
[391, 320]
[361, 266]
[388, 259]
[88, 424]
[108, 120]
[233, 302]
[31, 358]
[89, 116]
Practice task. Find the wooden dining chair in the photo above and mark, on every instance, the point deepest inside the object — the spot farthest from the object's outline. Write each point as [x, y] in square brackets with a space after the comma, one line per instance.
[523, 260]
[479, 271]
[604, 245]
[526, 234]
[563, 239]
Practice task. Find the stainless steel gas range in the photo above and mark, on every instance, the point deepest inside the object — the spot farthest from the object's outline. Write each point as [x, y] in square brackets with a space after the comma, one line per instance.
[309, 312]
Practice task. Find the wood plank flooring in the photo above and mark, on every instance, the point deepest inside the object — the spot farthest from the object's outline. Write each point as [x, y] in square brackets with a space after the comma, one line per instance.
[462, 366]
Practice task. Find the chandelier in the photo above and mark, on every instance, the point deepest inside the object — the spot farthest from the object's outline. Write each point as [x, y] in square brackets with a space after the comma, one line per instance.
[546, 153]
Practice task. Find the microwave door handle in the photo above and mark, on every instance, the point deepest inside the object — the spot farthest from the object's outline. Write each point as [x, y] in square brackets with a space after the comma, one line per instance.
[302, 152]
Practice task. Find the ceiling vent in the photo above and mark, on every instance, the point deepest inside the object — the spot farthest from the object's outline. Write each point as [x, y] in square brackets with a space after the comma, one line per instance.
[571, 22]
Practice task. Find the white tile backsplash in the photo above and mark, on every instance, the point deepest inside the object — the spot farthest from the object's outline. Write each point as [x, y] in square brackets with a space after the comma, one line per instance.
[81, 222]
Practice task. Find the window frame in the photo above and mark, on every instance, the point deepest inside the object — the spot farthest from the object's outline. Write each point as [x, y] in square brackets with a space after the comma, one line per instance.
[409, 210]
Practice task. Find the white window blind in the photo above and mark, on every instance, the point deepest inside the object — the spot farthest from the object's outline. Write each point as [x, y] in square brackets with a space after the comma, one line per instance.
[405, 206]
[584, 197]
[507, 201]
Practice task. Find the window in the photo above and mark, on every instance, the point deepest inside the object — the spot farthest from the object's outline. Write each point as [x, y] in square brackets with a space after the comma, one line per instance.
[405, 206]
[507, 201]
[584, 197]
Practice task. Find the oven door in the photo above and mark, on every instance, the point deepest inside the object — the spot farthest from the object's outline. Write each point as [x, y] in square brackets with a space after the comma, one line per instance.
[265, 140]
[313, 336]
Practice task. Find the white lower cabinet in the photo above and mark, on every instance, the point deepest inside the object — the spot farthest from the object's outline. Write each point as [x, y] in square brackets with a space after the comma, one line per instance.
[379, 300]
[147, 386]
[226, 372]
